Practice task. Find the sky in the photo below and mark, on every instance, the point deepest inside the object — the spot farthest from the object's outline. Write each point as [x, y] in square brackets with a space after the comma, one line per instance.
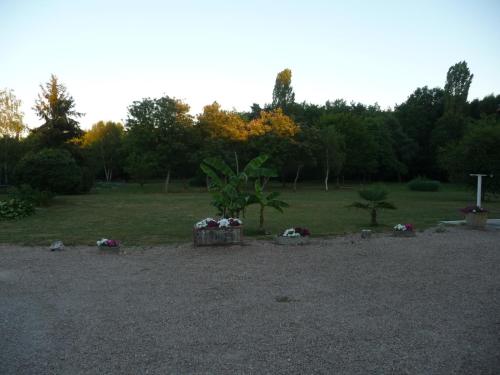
[111, 53]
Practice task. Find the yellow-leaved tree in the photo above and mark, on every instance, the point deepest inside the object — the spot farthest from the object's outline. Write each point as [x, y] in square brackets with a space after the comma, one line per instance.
[218, 123]
[275, 122]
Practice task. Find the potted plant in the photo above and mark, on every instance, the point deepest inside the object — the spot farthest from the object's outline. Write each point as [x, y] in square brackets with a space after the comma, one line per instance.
[224, 231]
[403, 230]
[293, 236]
[475, 216]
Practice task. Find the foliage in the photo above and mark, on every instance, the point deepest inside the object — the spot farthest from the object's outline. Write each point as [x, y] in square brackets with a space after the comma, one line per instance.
[283, 95]
[273, 122]
[104, 142]
[217, 123]
[375, 200]
[35, 197]
[456, 89]
[333, 150]
[162, 128]
[264, 200]
[141, 166]
[418, 116]
[477, 152]
[423, 184]
[227, 185]
[11, 117]
[11, 151]
[52, 170]
[13, 209]
[57, 109]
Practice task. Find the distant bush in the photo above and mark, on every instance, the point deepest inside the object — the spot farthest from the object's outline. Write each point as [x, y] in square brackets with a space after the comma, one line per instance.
[422, 184]
[50, 170]
[12, 209]
[27, 194]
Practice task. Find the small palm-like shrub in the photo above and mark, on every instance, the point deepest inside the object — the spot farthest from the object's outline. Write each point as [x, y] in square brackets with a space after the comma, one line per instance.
[375, 200]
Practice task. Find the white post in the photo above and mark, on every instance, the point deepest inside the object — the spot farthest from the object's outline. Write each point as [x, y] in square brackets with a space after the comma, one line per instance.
[478, 195]
[479, 188]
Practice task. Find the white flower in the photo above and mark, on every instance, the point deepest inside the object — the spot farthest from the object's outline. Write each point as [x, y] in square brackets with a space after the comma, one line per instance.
[102, 241]
[203, 223]
[290, 233]
[400, 227]
[223, 223]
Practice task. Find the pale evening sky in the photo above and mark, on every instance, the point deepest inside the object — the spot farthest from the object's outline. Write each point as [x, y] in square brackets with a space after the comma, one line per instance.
[110, 53]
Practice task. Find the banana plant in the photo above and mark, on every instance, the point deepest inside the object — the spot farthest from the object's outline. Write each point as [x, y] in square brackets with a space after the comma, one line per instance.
[264, 200]
[227, 185]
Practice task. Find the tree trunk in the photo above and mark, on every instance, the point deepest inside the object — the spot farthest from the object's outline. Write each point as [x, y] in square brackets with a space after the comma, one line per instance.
[261, 218]
[5, 177]
[374, 217]
[207, 181]
[167, 180]
[296, 177]
[237, 164]
[338, 181]
[327, 170]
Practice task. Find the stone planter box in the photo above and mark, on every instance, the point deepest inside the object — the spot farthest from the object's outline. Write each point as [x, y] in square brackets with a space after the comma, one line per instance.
[476, 220]
[281, 240]
[218, 236]
[403, 233]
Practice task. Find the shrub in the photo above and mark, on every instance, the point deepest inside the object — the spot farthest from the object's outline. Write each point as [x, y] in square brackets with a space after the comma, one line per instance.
[50, 170]
[374, 201]
[15, 209]
[422, 184]
[28, 194]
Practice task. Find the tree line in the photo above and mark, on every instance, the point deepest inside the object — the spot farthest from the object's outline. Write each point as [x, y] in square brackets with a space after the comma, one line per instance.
[437, 133]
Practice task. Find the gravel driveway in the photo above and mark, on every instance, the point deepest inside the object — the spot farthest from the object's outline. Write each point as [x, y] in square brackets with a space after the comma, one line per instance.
[423, 305]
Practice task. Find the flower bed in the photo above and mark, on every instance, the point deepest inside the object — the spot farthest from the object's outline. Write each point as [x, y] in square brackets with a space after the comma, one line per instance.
[210, 232]
[293, 236]
[112, 246]
[403, 230]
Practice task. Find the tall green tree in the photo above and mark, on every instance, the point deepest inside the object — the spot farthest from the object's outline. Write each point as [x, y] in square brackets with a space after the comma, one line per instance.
[57, 109]
[418, 116]
[456, 89]
[162, 126]
[104, 142]
[283, 95]
[477, 152]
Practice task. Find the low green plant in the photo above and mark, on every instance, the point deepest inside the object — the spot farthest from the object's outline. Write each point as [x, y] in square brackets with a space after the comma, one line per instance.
[265, 200]
[27, 194]
[422, 184]
[13, 209]
[227, 185]
[375, 200]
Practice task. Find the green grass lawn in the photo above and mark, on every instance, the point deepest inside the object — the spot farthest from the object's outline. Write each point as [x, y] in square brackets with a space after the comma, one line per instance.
[148, 216]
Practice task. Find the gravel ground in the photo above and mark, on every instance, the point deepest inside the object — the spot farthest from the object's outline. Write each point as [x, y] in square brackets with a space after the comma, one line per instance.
[423, 305]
